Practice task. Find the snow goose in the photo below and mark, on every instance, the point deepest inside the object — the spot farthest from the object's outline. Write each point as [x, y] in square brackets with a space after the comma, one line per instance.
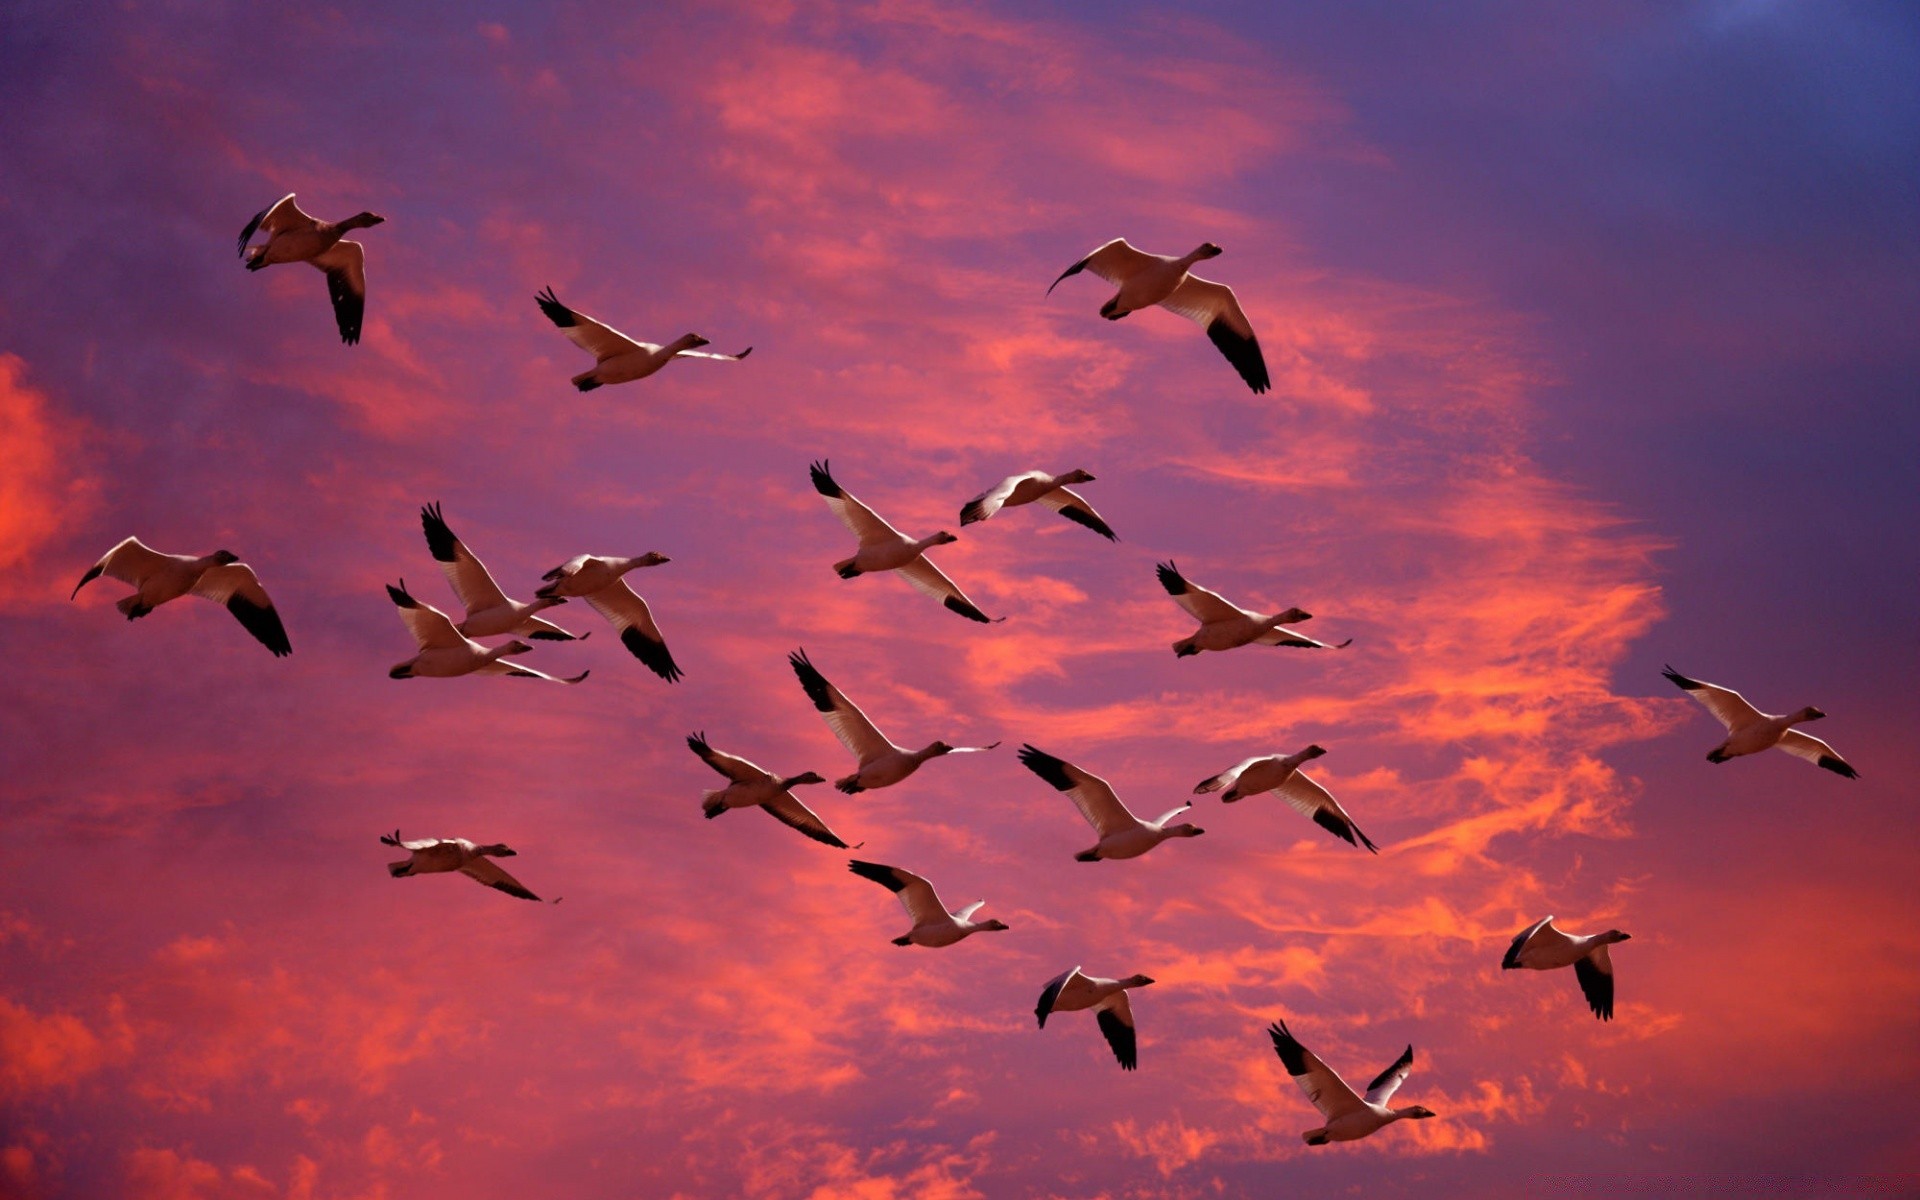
[882, 764]
[1541, 947]
[1122, 835]
[1148, 279]
[1276, 773]
[1751, 731]
[750, 786]
[884, 548]
[933, 925]
[1349, 1117]
[431, 855]
[1107, 998]
[585, 574]
[220, 577]
[489, 612]
[633, 621]
[1224, 626]
[444, 653]
[620, 359]
[1050, 490]
[293, 236]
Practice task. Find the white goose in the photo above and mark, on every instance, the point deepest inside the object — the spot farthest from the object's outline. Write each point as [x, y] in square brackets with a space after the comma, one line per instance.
[489, 612]
[933, 925]
[444, 653]
[1122, 835]
[1276, 773]
[1224, 626]
[1541, 947]
[1349, 1117]
[220, 577]
[884, 548]
[1042, 488]
[1148, 279]
[1107, 998]
[296, 237]
[882, 764]
[620, 359]
[431, 855]
[751, 786]
[585, 574]
[1751, 731]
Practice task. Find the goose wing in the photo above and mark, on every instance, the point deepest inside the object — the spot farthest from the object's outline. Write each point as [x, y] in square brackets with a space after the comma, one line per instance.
[281, 214]
[987, 503]
[842, 715]
[916, 894]
[1225, 779]
[1115, 1015]
[1202, 605]
[1093, 796]
[345, 263]
[129, 562]
[501, 666]
[1811, 748]
[465, 573]
[633, 621]
[787, 809]
[601, 341]
[1727, 705]
[931, 581]
[711, 354]
[739, 770]
[430, 627]
[865, 523]
[488, 872]
[1282, 636]
[1116, 262]
[1328, 1092]
[1074, 507]
[1512, 960]
[1217, 310]
[1056, 987]
[235, 587]
[1387, 1082]
[1595, 973]
[1318, 805]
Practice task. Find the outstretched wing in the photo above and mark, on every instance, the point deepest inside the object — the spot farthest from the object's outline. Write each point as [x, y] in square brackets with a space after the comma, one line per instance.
[345, 263]
[1116, 262]
[842, 715]
[1202, 605]
[1328, 1092]
[931, 581]
[1225, 779]
[488, 872]
[1093, 796]
[601, 341]
[1595, 973]
[1318, 805]
[465, 573]
[1727, 705]
[710, 354]
[1512, 960]
[501, 666]
[1074, 507]
[1115, 1015]
[1282, 636]
[1387, 1082]
[787, 809]
[916, 894]
[987, 503]
[236, 587]
[633, 621]
[430, 627]
[1811, 748]
[1217, 310]
[1050, 995]
[129, 562]
[865, 523]
[739, 770]
[281, 214]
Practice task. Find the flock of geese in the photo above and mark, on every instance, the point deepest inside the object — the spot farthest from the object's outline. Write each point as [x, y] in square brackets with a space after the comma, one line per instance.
[447, 648]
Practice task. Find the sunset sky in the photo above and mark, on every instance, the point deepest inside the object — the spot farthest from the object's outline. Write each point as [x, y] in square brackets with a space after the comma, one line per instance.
[1593, 341]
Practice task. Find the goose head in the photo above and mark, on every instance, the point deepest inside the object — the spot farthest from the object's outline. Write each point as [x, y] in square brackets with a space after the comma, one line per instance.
[1183, 829]
[1208, 250]
[1076, 476]
[1614, 935]
[1291, 615]
[1809, 713]
[363, 220]
[942, 538]
[1314, 751]
[692, 341]
[545, 602]
[937, 749]
[225, 558]
[797, 780]
[496, 850]
[1417, 1112]
[651, 558]
[991, 925]
[403, 671]
[1134, 981]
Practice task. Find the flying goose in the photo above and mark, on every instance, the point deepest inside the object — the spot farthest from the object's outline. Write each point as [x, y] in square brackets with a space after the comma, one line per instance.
[293, 236]
[444, 653]
[431, 855]
[1050, 490]
[1349, 1117]
[933, 925]
[1107, 998]
[1148, 279]
[1275, 773]
[489, 612]
[882, 764]
[585, 574]
[884, 548]
[751, 786]
[1224, 626]
[620, 359]
[220, 577]
[1751, 731]
[1541, 947]
[1122, 835]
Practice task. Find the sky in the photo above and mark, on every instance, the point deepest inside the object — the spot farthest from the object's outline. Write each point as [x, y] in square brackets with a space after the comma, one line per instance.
[1592, 341]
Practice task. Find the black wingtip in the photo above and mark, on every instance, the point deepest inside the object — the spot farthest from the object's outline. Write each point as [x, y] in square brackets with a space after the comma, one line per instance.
[822, 477]
[1073, 270]
[556, 312]
[971, 512]
[1046, 766]
[1681, 681]
[1292, 1054]
[654, 655]
[811, 680]
[1838, 766]
[400, 596]
[1170, 578]
[92, 574]
[440, 539]
[956, 604]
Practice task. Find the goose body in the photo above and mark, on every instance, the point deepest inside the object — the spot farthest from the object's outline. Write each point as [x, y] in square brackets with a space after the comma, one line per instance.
[293, 236]
[1038, 487]
[490, 613]
[617, 357]
[1349, 1116]
[882, 763]
[1542, 947]
[884, 548]
[1749, 731]
[933, 925]
[1075, 992]
[1282, 774]
[585, 574]
[1121, 834]
[220, 577]
[445, 653]
[1225, 626]
[1146, 279]
[753, 786]
[428, 856]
